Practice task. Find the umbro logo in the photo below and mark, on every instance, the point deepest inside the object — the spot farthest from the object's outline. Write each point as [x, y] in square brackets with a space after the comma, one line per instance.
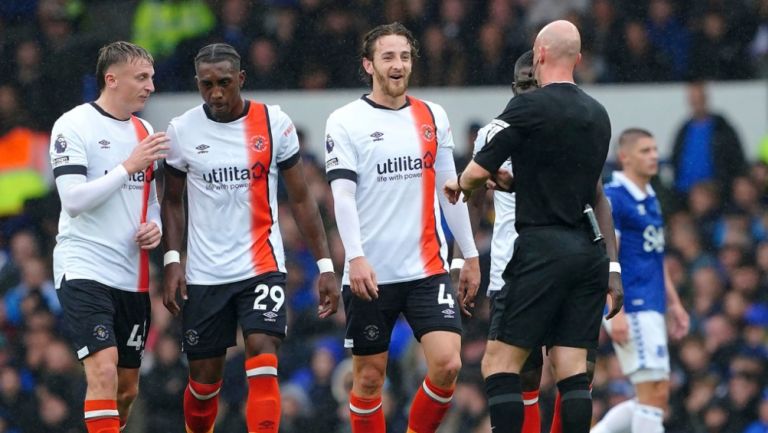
[448, 312]
[270, 315]
[641, 209]
[203, 148]
[104, 144]
[377, 136]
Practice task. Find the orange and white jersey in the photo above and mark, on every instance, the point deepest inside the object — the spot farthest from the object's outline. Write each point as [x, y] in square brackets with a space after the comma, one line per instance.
[98, 244]
[231, 171]
[393, 155]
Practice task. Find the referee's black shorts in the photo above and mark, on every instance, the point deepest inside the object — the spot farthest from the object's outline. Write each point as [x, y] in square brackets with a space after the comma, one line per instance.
[554, 290]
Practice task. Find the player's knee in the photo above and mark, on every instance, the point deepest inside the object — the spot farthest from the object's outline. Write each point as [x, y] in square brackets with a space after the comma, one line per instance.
[127, 395]
[660, 394]
[530, 379]
[444, 370]
[102, 377]
[370, 380]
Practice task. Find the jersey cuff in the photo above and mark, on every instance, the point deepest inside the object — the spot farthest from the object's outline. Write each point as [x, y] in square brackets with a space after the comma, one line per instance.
[290, 162]
[342, 173]
[487, 165]
[70, 169]
[173, 170]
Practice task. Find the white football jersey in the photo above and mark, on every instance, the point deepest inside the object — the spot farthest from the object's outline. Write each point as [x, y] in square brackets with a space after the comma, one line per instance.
[392, 156]
[231, 171]
[99, 244]
[504, 233]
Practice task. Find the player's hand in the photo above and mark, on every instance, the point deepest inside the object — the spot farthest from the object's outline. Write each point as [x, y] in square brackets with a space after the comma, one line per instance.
[362, 279]
[328, 290]
[616, 293]
[148, 236]
[469, 282]
[173, 282]
[503, 181]
[620, 329]
[679, 321]
[146, 152]
[452, 191]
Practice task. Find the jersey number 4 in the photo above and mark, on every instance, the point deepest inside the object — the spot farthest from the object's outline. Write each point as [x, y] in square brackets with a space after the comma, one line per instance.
[444, 298]
[276, 293]
[136, 338]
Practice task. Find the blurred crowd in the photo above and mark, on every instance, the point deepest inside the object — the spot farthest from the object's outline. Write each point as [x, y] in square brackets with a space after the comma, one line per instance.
[49, 46]
[717, 216]
[717, 243]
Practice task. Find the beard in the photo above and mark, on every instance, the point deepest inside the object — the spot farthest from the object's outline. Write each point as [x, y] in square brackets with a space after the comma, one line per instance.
[390, 89]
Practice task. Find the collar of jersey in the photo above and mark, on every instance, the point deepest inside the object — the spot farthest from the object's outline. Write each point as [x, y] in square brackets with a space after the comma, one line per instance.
[375, 105]
[246, 107]
[104, 113]
[637, 193]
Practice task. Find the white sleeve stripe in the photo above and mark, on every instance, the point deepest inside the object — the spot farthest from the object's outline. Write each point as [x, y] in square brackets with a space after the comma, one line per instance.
[261, 371]
[101, 413]
[203, 397]
[433, 396]
[361, 411]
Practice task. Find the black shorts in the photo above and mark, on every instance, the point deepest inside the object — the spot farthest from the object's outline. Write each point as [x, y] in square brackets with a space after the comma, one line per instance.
[554, 291]
[428, 305]
[97, 316]
[211, 313]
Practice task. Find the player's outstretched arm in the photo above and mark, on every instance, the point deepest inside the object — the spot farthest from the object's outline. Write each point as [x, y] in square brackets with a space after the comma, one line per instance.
[457, 217]
[172, 212]
[605, 221]
[307, 216]
[679, 321]
[473, 177]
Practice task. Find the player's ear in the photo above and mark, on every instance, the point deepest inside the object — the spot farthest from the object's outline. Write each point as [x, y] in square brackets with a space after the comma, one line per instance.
[578, 59]
[368, 66]
[241, 77]
[110, 80]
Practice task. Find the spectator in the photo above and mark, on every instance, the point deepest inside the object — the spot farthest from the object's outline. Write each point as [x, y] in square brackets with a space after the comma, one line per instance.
[706, 146]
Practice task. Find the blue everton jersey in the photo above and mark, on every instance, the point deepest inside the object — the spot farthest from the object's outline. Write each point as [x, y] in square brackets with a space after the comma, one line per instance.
[639, 225]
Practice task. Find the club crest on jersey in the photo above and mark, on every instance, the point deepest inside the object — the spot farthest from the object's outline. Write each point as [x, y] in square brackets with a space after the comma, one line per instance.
[329, 143]
[428, 132]
[259, 143]
[101, 332]
[104, 144]
[641, 209]
[60, 144]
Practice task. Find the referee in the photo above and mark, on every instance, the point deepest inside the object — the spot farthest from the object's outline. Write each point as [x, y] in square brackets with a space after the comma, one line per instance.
[555, 285]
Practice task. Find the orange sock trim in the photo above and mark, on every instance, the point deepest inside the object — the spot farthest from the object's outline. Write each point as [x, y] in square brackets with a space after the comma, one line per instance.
[429, 407]
[557, 426]
[532, 415]
[201, 404]
[101, 416]
[263, 407]
[366, 415]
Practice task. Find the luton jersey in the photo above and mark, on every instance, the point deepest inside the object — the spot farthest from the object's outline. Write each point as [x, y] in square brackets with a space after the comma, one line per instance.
[99, 243]
[393, 155]
[231, 171]
[638, 222]
[504, 233]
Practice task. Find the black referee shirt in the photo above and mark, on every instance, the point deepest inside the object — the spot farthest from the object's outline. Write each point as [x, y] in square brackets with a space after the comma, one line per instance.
[558, 138]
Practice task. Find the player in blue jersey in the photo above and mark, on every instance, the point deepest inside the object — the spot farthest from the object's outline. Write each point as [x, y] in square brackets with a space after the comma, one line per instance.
[639, 333]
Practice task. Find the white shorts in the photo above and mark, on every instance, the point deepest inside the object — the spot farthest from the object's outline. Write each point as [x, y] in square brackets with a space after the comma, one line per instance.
[645, 357]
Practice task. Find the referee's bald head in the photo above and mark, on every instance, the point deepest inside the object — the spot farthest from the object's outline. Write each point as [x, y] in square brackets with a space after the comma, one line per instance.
[561, 42]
